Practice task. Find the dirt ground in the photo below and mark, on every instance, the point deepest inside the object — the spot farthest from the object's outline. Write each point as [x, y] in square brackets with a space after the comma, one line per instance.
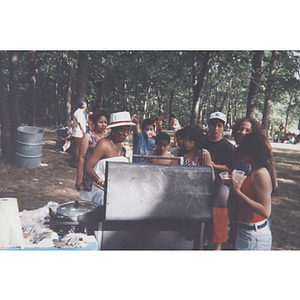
[55, 181]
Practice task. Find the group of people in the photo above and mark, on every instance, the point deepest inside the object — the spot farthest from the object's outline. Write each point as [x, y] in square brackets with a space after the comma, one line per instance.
[243, 203]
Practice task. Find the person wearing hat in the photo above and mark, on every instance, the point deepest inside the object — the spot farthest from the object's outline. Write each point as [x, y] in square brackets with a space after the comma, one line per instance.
[220, 150]
[109, 148]
[143, 142]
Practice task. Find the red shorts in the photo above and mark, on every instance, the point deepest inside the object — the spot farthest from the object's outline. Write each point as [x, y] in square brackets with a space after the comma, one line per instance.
[216, 230]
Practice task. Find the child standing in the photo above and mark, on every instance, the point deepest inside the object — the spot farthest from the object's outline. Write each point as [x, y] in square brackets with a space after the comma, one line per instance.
[143, 142]
[162, 142]
[221, 155]
[192, 150]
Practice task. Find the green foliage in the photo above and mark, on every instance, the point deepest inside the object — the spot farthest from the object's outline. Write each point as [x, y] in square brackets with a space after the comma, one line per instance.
[143, 81]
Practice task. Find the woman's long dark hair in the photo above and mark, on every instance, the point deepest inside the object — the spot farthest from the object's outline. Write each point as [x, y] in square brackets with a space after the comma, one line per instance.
[258, 147]
[194, 133]
[255, 125]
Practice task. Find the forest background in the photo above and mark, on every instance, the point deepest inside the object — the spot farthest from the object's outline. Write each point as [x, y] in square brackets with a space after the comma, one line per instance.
[43, 88]
[122, 25]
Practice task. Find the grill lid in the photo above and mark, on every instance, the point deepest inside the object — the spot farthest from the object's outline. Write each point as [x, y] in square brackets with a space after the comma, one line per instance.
[75, 209]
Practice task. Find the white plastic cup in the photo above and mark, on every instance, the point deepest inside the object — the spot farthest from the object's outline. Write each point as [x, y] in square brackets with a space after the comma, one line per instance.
[238, 174]
[224, 175]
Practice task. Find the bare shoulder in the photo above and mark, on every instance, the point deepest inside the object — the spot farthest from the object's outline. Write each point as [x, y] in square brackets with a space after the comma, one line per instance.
[261, 177]
[169, 154]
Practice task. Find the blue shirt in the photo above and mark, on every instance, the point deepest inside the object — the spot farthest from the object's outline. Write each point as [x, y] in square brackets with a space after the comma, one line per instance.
[141, 146]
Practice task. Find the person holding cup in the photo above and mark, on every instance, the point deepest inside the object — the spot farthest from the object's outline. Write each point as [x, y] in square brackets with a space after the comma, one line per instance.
[254, 193]
[240, 128]
[220, 150]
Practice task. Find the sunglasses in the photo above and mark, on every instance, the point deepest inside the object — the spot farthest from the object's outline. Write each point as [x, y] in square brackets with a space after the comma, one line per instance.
[124, 130]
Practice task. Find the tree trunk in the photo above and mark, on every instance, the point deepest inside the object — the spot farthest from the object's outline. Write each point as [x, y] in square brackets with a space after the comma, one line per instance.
[135, 100]
[229, 114]
[146, 101]
[81, 76]
[254, 83]
[269, 91]
[14, 100]
[125, 97]
[236, 104]
[198, 83]
[69, 96]
[100, 94]
[225, 96]
[170, 104]
[58, 122]
[32, 90]
[6, 142]
[287, 113]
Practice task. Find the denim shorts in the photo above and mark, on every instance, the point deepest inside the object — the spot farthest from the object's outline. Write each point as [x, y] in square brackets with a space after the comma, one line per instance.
[260, 239]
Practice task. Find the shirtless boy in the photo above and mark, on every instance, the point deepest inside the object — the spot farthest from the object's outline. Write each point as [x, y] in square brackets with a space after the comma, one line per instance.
[162, 142]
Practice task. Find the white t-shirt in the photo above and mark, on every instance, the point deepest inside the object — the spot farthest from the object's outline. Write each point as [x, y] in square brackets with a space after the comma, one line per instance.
[78, 117]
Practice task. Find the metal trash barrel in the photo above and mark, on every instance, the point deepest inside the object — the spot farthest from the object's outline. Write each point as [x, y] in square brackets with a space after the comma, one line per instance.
[29, 147]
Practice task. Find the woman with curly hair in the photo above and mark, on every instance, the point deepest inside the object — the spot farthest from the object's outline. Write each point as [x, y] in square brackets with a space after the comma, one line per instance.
[89, 141]
[241, 127]
[254, 193]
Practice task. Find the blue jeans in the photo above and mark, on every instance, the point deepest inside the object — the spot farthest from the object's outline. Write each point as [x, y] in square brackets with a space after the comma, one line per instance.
[254, 240]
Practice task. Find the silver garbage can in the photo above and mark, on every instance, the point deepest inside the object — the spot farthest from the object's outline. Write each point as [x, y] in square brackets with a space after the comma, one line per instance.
[29, 147]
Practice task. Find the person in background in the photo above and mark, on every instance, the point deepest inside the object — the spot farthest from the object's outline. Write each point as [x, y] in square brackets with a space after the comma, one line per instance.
[159, 121]
[220, 150]
[179, 142]
[143, 142]
[79, 129]
[68, 142]
[109, 148]
[175, 126]
[162, 142]
[97, 107]
[89, 141]
[254, 193]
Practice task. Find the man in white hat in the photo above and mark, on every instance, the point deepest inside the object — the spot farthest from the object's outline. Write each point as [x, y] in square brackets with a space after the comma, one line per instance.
[109, 148]
[220, 150]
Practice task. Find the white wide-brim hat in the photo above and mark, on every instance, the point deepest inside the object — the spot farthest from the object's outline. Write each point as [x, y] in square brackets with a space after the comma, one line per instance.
[120, 119]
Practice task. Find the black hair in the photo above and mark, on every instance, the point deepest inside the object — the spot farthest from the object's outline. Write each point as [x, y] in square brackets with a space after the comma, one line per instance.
[257, 145]
[82, 104]
[194, 133]
[173, 116]
[255, 125]
[147, 122]
[178, 133]
[162, 136]
[98, 114]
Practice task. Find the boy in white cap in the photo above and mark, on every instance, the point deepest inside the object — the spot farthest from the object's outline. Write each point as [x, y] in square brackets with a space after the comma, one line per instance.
[220, 150]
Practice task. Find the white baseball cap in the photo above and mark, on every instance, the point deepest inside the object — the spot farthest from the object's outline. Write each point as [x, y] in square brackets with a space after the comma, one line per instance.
[218, 115]
[120, 119]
